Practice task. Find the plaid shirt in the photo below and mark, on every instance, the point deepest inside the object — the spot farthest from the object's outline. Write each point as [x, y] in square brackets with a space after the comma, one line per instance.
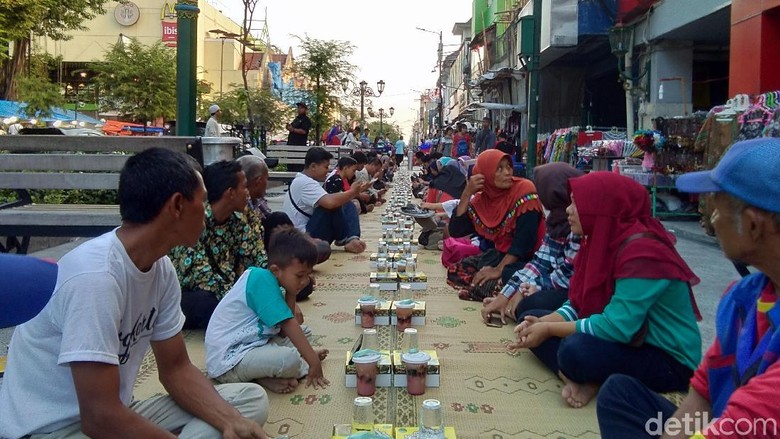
[551, 267]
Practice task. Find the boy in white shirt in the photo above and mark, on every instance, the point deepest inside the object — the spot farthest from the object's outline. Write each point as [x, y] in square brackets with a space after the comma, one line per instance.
[71, 369]
[253, 335]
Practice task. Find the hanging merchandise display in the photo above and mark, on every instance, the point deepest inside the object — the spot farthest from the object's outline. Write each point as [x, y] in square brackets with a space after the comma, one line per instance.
[739, 119]
[579, 146]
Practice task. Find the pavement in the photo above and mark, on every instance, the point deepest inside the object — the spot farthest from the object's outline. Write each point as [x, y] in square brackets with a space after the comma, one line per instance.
[704, 256]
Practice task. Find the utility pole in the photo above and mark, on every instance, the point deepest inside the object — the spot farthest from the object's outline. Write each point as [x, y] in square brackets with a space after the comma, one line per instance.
[441, 91]
[533, 94]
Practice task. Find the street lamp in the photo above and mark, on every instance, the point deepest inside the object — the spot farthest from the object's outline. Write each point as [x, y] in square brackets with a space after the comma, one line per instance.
[222, 35]
[621, 44]
[382, 114]
[363, 91]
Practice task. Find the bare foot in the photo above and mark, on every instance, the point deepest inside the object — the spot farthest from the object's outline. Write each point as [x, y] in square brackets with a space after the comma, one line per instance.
[355, 246]
[322, 353]
[488, 300]
[578, 395]
[278, 385]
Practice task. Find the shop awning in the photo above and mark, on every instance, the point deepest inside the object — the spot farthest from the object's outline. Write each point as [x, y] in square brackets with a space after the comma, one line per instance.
[496, 75]
[497, 106]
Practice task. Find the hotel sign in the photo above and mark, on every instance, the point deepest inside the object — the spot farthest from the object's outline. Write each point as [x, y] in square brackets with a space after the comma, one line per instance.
[169, 24]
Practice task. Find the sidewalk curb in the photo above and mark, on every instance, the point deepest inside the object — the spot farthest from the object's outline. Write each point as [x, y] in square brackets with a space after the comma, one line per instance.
[699, 237]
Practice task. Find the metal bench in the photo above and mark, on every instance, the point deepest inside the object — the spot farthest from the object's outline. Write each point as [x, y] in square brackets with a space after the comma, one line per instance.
[68, 162]
[295, 155]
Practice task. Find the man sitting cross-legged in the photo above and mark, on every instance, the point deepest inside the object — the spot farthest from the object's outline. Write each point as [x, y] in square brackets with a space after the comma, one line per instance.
[71, 369]
[253, 335]
[330, 217]
[231, 242]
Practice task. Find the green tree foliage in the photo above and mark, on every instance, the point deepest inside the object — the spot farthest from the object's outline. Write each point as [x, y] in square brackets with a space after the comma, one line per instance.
[139, 81]
[266, 108]
[323, 64]
[37, 90]
[389, 131]
[19, 19]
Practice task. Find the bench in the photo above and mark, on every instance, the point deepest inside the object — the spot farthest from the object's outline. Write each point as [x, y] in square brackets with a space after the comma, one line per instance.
[295, 155]
[67, 162]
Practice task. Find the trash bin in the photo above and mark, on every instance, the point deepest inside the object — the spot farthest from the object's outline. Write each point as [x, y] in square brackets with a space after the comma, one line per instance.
[219, 148]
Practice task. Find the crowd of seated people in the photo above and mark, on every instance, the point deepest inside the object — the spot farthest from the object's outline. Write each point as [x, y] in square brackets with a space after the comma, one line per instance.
[576, 260]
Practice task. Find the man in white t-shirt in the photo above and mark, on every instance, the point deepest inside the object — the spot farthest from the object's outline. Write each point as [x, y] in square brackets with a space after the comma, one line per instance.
[330, 217]
[71, 369]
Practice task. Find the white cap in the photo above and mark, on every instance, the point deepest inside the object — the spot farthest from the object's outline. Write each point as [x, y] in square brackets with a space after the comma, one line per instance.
[213, 109]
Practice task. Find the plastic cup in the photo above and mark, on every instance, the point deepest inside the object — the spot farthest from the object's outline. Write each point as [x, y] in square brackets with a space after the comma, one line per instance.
[431, 420]
[416, 371]
[367, 312]
[403, 313]
[366, 369]
[370, 340]
[411, 265]
[410, 340]
[363, 414]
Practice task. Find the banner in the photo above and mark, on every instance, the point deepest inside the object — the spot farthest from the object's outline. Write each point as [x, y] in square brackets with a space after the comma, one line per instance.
[169, 33]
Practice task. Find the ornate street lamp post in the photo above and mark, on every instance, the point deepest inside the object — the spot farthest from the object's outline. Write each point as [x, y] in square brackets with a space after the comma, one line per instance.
[363, 91]
[382, 114]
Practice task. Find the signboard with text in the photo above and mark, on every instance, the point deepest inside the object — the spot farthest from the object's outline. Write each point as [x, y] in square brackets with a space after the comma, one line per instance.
[169, 33]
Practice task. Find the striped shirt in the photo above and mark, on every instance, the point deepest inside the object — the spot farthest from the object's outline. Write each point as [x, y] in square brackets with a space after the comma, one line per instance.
[551, 267]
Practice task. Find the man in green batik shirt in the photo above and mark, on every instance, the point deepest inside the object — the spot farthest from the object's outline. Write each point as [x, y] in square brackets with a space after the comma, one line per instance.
[232, 241]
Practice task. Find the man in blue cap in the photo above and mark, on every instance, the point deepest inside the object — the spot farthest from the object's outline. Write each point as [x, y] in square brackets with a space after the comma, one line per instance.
[730, 393]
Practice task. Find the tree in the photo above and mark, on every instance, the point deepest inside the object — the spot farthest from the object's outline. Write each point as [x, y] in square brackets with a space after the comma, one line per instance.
[389, 131]
[266, 108]
[139, 81]
[20, 19]
[323, 64]
[37, 90]
[246, 27]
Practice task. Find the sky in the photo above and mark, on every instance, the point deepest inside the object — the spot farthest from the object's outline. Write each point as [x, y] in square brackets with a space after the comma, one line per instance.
[387, 45]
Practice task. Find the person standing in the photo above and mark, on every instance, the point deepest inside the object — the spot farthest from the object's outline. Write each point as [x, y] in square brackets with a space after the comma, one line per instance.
[298, 132]
[461, 143]
[400, 147]
[299, 127]
[213, 127]
[486, 137]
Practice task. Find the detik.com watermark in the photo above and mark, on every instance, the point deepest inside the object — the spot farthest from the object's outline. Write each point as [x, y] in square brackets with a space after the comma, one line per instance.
[690, 424]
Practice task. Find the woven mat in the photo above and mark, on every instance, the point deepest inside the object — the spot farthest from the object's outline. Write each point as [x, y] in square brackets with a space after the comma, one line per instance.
[485, 391]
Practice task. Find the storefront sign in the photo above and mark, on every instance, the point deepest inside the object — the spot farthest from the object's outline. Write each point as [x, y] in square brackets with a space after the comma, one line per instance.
[169, 33]
[168, 12]
[127, 13]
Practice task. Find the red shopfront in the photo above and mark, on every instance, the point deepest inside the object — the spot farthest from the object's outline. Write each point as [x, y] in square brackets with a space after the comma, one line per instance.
[755, 52]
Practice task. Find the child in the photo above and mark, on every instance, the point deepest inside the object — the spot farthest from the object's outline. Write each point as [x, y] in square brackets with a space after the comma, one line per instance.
[338, 180]
[253, 335]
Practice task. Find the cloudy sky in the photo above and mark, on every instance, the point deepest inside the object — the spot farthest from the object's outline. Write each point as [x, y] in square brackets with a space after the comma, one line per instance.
[387, 45]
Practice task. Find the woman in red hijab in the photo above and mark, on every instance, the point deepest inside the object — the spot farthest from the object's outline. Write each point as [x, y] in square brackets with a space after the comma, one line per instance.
[630, 309]
[506, 213]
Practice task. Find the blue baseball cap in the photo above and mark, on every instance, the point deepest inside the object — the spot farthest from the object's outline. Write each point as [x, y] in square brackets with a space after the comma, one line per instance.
[750, 171]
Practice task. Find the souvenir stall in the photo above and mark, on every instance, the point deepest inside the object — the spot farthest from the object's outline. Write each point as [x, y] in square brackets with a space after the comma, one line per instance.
[659, 156]
[581, 147]
[741, 118]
